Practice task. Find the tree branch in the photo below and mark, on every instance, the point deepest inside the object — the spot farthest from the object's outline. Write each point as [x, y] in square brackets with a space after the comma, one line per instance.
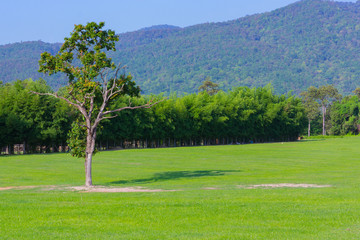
[109, 117]
[78, 106]
[74, 98]
[57, 96]
[148, 105]
[92, 97]
[116, 92]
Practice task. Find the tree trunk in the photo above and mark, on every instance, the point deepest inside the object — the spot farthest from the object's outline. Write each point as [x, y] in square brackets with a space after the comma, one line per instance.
[88, 176]
[90, 146]
[309, 128]
[324, 114]
[11, 149]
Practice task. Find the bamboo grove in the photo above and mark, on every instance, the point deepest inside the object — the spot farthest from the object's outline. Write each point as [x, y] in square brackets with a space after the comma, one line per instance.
[242, 115]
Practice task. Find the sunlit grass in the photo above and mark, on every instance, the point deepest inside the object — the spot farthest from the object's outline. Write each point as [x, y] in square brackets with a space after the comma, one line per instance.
[193, 211]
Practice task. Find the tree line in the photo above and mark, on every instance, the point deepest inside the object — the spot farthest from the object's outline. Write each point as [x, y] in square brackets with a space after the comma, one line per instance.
[38, 122]
[329, 113]
[242, 115]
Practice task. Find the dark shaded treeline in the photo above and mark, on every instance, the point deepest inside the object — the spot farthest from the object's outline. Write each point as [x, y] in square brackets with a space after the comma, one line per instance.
[38, 122]
[344, 116]
[242, 115]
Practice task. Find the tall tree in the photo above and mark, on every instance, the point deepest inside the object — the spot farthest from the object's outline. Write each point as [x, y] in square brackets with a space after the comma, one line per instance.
[311, 108]
[357, 92]
[90, 90]
[325, 95]
[210, 87]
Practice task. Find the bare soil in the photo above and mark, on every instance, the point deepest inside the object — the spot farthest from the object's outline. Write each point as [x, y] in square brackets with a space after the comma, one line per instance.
[87, 189]
[116, 189]
[284, 185]
[210, 188]
[142, 189]
[17, 188]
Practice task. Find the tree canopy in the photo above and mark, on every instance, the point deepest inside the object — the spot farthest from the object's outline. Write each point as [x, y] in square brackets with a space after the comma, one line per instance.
[90, 89]
[210, 87]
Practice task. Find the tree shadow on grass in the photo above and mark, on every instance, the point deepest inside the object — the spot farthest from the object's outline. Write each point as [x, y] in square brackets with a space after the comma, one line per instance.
[312, 140]
[164, 176]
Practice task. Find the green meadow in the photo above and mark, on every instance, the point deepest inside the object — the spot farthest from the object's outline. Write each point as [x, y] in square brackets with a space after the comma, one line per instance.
[213, 193]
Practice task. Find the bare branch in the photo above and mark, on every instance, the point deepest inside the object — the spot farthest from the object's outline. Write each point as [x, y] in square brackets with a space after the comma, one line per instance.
[148, 105]
[104, 79]
[82, 125]
[57, 96]
[107, 93]
[110, 91]
[116, 92]
[73, 97]
[101, 116]
[109, 117]
[78, 106]
[91, 106]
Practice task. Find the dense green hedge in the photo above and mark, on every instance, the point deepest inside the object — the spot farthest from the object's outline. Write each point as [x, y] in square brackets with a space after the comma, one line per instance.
[242, 115]
[32, 119]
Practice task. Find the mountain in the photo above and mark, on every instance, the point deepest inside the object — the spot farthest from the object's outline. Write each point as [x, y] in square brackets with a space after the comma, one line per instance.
[310, 42]
[20, 61]
[159, 27]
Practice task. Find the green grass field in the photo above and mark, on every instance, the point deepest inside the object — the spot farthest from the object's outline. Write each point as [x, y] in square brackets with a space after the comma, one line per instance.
[208, 203]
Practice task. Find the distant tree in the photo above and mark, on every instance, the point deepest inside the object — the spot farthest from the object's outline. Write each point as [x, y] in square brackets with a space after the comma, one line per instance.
[325, 95]
[345, 116]
[90, 89]
[208, 86]
[311, 108]
[3, 116]
[357, 92]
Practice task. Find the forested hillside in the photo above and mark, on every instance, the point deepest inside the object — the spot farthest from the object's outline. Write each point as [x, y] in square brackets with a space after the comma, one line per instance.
[20, 61]
[311, 42]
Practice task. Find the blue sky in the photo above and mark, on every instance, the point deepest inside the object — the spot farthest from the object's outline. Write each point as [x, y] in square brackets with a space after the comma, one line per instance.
[51, 21]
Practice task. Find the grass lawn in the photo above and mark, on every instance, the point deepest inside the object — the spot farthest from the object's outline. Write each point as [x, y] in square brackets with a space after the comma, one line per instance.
[209, 202]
